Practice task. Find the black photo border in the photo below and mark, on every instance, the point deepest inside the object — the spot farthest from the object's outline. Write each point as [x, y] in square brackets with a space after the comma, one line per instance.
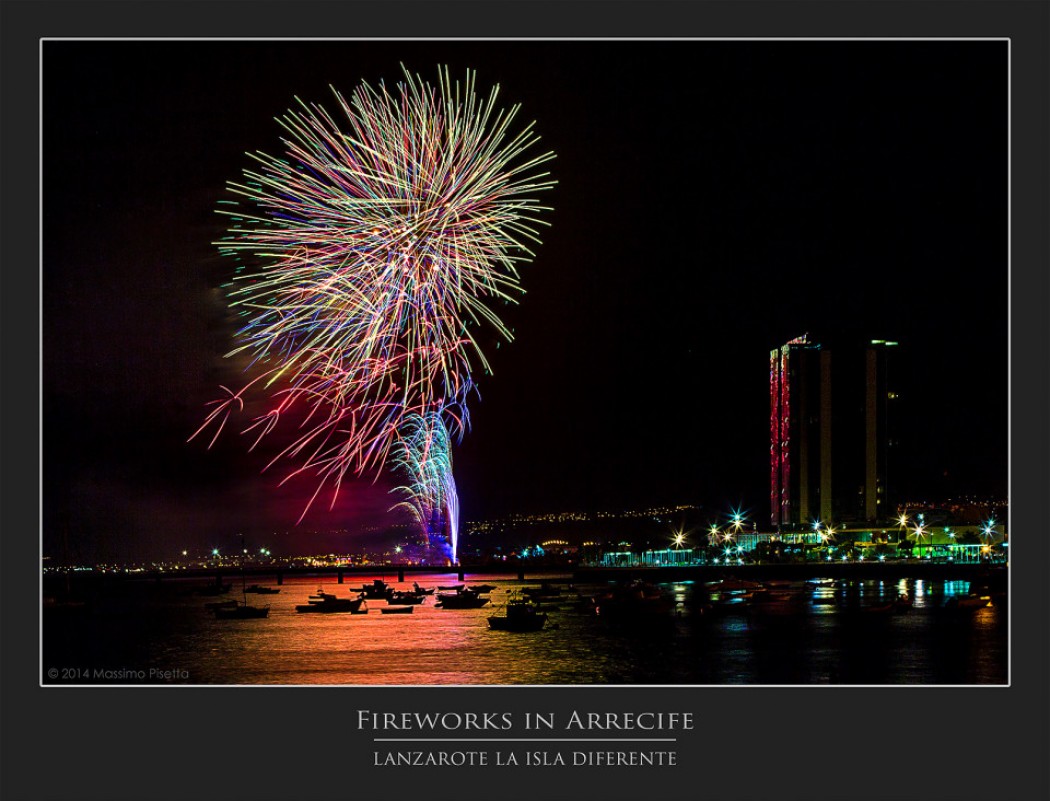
[749, 743]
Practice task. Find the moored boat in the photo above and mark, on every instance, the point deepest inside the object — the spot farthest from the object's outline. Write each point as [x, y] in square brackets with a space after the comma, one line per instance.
[404, 598]
[636, 599]
[240, 612]
[968, 602]
[378, 589]
[463, 599]
[545, 590]
[778, 604]
[260, 590]
[329, 603]
[520, 616]
[396, 610]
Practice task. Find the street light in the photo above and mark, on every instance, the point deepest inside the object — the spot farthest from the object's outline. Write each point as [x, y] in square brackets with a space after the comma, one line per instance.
[989, 529]
[988, 532]
[738, 521]
[920, 532]
[902, 525]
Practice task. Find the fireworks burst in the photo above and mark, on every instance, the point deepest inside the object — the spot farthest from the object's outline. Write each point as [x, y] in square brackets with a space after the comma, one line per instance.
[372, 248]
[424, 454]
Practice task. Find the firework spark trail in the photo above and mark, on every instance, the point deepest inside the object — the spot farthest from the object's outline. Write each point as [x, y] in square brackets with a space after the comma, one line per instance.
[424, 455]
[376, 244]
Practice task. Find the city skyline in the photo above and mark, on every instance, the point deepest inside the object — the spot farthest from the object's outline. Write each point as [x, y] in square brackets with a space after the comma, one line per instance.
[776, 196]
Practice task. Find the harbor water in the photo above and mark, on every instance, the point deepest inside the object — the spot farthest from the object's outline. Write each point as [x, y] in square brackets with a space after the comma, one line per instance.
[161, 633]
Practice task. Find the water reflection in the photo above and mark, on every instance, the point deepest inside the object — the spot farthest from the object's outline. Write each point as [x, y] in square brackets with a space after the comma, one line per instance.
[817, 632]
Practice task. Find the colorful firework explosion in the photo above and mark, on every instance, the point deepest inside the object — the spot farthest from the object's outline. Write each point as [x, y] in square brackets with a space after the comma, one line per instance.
[424, 454]
[374, 250]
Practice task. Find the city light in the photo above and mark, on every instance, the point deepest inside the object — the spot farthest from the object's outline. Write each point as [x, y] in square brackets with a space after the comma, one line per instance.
[738, 520]
[988, 531]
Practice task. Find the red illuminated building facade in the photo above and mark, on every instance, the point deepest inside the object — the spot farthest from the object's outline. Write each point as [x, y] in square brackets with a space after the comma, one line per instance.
[831, 432]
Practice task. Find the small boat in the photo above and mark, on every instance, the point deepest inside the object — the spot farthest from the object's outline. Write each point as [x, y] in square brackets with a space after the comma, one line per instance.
[220, 604]
[548, 606]
[632, 601]
[404, 598]
[545, 590]
[378, 589]
[240, 612]
[396, 610]
[420, 591]
[520, 616]
[329, 603]
[482, 587]
[968, 602]
[778, 604]
[259, 590]
[450, 587]
[463, 599]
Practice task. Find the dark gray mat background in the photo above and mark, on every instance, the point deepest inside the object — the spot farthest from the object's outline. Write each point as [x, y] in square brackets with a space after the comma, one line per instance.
[114, 744]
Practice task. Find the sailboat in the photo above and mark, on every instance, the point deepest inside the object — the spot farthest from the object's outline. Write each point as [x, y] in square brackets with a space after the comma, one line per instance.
[241, 611]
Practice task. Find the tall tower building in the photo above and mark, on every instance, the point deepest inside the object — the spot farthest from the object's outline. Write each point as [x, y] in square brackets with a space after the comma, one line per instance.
[830, 432]
[797, 372]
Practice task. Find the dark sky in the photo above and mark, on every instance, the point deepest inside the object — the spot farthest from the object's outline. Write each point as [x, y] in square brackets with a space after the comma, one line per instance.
[715, 199]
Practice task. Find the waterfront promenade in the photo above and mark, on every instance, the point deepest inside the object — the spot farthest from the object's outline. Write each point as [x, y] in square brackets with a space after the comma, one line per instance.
[991, 575]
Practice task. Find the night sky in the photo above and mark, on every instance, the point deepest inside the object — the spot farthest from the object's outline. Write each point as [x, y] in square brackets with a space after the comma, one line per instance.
[715, 199]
